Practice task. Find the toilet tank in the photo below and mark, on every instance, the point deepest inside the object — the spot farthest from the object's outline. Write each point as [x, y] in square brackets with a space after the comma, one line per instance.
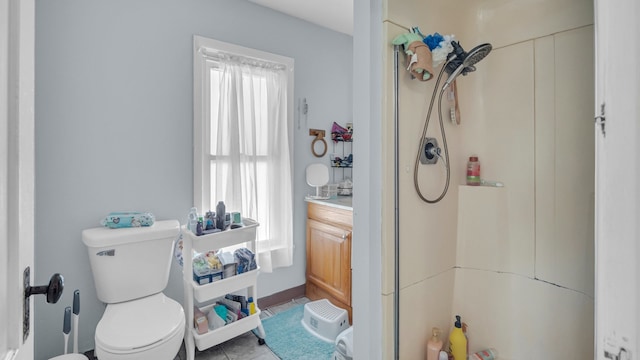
[130, 263]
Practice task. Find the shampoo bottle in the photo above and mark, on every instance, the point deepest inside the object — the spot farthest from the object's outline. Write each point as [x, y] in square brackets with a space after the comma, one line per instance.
[434, 345]
[457, 341]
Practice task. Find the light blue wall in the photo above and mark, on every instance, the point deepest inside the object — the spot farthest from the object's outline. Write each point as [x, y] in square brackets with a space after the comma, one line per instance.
[114, 114]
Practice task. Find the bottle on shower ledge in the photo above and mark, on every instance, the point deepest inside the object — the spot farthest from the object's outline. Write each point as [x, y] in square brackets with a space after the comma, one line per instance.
[434, 345]
[473, 171]
[487, 354]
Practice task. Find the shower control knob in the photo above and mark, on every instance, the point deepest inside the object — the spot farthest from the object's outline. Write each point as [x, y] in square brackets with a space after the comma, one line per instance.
[430, 151]
[435, 151]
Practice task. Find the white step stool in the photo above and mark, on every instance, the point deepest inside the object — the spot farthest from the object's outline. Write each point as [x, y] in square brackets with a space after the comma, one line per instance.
[324, 320]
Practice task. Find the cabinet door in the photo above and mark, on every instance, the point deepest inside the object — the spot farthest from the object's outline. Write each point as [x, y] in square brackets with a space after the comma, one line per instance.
[329, 259]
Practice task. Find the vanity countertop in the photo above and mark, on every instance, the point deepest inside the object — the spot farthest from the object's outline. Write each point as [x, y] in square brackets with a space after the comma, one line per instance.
[341, 202]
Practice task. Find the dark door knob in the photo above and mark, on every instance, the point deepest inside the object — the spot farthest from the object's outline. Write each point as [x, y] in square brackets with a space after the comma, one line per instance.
[53, 290]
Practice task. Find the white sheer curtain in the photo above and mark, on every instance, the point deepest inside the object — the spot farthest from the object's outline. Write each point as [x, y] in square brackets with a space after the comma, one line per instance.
[251, 168]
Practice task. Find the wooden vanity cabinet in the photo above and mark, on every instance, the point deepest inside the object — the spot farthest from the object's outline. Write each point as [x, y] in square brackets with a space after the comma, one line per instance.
[329, 255]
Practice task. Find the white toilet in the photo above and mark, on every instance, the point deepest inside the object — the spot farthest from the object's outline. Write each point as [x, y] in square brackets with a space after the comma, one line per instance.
[130, 270]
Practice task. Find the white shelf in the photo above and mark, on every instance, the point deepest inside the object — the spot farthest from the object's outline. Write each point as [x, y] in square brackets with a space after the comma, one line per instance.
[222, 287]
[226, 238]
[220, 335]
[202, 293]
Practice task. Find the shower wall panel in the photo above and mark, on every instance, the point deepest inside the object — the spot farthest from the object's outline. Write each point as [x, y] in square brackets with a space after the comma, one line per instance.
[508, 22]
[523, 318]
[427, 232]
[565, 159]
[501, 133]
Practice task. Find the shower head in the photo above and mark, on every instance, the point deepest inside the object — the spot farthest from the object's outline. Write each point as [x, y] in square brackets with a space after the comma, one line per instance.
[462, 62]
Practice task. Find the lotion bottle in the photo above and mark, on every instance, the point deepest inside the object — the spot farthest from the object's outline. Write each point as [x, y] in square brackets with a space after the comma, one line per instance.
[457, 341]
[434, 345]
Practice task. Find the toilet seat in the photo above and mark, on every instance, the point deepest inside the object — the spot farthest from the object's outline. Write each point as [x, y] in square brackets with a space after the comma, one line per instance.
[139, 325]
[70, 357]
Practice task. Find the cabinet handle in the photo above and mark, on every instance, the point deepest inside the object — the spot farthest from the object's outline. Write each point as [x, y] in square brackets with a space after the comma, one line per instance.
[344, 236]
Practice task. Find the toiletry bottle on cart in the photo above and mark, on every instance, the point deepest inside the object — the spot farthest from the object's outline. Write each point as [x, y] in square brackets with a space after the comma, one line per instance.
[473, 171]
[434, 345]
[199, 227]
[252, 306]
[193, 219]
[220, 215]
[457, 341]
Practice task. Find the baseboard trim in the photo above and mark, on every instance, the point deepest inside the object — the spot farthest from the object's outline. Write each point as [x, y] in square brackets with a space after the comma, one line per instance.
[281, 297]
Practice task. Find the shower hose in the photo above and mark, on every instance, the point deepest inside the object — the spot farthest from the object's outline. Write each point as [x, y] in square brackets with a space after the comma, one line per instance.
[444, 142]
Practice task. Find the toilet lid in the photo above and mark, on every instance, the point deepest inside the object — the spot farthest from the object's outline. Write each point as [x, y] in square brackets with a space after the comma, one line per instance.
[139, 323]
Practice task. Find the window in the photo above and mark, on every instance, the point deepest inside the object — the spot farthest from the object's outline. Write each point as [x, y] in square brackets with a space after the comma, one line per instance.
[243, 112]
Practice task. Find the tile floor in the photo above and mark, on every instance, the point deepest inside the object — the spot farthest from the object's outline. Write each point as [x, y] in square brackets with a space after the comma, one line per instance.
[245, 346]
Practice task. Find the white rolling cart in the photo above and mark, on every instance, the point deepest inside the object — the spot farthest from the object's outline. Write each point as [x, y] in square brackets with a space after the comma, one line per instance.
[203, 293]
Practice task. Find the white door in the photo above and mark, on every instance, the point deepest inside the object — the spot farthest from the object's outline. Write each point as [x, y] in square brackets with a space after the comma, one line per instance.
[617, 180]
[17, 28]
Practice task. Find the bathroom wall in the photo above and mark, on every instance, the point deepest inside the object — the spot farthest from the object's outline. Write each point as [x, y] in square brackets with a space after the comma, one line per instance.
[114, 114]
[513, 260]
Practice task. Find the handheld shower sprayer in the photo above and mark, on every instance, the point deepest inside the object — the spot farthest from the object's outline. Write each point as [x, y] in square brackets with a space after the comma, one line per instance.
[458, 62]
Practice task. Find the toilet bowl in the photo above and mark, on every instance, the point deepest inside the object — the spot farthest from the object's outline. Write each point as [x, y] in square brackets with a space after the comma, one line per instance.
[130, 268]
[344, 345]
[149, 328]
[70, 357]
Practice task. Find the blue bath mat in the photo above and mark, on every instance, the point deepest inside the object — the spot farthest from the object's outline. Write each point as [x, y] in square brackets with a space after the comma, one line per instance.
[288, 339]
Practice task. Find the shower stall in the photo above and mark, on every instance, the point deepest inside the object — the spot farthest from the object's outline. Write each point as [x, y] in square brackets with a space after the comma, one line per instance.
[516, 262]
